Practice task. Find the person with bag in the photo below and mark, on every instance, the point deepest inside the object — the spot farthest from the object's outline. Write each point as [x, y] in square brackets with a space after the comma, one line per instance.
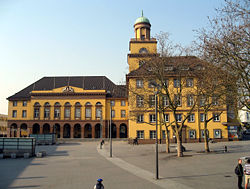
[99, 184]
[239, 172]
[247, 173]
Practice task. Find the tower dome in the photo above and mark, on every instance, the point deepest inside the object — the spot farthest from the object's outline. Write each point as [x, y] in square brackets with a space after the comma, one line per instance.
[142, 28]
[142, 19]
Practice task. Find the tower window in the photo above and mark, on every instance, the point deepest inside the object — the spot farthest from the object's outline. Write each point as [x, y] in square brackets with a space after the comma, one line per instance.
[143, 50]
[142, 37]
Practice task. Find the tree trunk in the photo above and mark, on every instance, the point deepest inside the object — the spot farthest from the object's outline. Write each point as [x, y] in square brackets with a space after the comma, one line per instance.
[206, 137]
[167, 142]
[179, 145]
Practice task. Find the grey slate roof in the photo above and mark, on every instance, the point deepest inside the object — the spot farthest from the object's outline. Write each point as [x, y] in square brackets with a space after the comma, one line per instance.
[85, 82]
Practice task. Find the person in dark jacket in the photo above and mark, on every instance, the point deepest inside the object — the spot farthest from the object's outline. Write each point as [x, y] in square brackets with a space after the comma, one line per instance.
[99, 184]
[240, 173]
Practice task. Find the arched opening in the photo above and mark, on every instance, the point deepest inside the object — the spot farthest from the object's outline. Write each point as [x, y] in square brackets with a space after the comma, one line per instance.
[77, 131]
[13, 130]
[113, 130]
[57, 130]
[36, 128]
[23, 130]
[46, 128]
[66, 131]
[123, 131]
[87, 131]
[98, 130]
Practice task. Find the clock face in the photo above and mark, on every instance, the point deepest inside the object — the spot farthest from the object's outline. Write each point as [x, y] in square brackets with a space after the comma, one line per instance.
[143, 50]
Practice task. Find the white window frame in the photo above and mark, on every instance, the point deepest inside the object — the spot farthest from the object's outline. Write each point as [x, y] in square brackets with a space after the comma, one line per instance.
[139, 101]
[25, 103]
[98, 112]
[179, 117]
[165, 101]
[152, 101]
[139, 83]
[140, 134]
[202, 117]
[46, 112]
[217, 133]
[202, 133]
[152, 118]
[190, 100]
[177, 98]
[140, 118]
[57, 112]
[77, 112]
[166, 117]
[123, 103]
[88, 113]
[152, 134]
[192, 134]
[113, 113]
[123, 113]
[36, 112]
[67, 112]
[191, 118]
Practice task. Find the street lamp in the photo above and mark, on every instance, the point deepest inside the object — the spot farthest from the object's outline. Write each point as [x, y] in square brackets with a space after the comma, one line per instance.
[156, 138]
[110, 130]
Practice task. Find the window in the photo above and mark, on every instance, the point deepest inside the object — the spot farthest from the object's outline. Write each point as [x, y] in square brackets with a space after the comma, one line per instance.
[143, 50]
[14, 103]
[98, 112]
[88, 112]
[77, 112]
[123, 103]
[123, 113]
[142, 37]
[217, 133]
[152, 134]
[163, 134]
[192, 134]
[46, 112]
[247, 115]
[14, 113]
[179, 117]
[216, 117]
[165, 101]
[177, 83]
[215, 101]
[139, 101]
[67, 113]
[112, 102]
[113, 113]
[139, 83]
[190, 100]
[24, 113]
[168, 68]
[152, 118]
[140, 134]
[191, 118]
[202, 117]
[177, 100]
[57, 112]
[151, 83]
[166, 117]
[36, 112]
[202, 100]
[202, 133]
[151, 100]
[190, 82]
[24, 103]
[140, 118]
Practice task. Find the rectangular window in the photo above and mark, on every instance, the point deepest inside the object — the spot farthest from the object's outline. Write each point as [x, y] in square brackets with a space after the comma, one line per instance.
[140, 134]
[24, 113]
[88, 113]
[14, 103]
[14, 113]
[123, 103]
[166, 117]
[190, 100]
[202, 133]
[190, 82]
[151, 83]
[168, 68]
[98, 112]
[24, 103]
[179, 117]
[163, 134]
[57, 113]
[165, 101]
[191, 118]
[112, 102]
[139, 101]
[140, 118]
[113, 113]
[139, 83]
[152, 118]
[177, 100]
[177, 83]
[46, 112]
[151, 100]
[36, 113]
[202, 100]
[67, 113]
[215, 101]
[192, 134]
[217, 133]
[216, 117]
[152, 135]
[123, 113]
[78, 112]
[202, 117]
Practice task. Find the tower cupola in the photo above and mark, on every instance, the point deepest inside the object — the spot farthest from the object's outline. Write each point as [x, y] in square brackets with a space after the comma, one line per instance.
[142, 28]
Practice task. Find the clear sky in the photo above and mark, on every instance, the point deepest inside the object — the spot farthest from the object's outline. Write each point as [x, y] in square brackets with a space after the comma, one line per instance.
[84, 37]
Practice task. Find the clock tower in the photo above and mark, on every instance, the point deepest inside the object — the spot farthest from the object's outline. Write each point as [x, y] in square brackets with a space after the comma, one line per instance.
[142, 46]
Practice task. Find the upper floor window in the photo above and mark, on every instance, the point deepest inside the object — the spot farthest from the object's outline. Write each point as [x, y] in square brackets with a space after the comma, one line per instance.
[140, 118]
[165, 101]
[123, 103]
[215, 101]
[139, 83]
[152, 118]
[151, 83]
[36, 110]
[166, 117]
[113, 113]
[67, 110]
[141, 62]
[202, 117]
[57, 110]
[190, 100]
[191, 118]
[98, 112]
[216, 117]
[24, 103]
[14, 113]
[177, 100]
[166, 83]
[179, 117]
[151, 100]
[88, 112]
[202, 100]
[112, 103]
[190, 82]
[139, 101]
[143, 50]
[168, 68]
[123, 113]
[177, 83]
[14, 103]
[24, 113]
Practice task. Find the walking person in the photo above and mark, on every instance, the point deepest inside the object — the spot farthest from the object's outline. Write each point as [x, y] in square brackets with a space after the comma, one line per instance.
[99, 184]
[239, 172]
[247, 172]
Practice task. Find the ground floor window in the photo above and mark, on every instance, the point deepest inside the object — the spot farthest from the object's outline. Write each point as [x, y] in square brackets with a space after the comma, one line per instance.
[192, 134]
[140, 134]
[217, 133]
[152, 134]
[163, 134]
[202, 134]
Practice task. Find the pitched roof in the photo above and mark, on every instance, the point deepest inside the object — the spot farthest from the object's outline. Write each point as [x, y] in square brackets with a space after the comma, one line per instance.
[84, 82]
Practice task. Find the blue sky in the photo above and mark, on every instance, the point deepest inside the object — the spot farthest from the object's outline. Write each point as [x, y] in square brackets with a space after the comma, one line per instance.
[76, 37]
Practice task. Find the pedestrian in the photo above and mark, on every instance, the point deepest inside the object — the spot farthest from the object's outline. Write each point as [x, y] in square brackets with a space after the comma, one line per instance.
[99, 184]
[239, 172]
[247, 173]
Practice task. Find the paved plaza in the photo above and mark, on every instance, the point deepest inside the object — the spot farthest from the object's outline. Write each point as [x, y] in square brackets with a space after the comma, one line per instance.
[77, 165]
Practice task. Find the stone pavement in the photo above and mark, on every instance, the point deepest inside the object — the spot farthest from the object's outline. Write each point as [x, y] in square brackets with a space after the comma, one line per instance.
[78, 164]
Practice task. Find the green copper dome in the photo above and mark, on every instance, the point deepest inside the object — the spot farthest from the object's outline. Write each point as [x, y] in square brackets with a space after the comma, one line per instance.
[142, 19]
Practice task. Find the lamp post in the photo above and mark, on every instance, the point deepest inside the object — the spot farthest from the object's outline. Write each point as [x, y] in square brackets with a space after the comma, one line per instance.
[110, 130]
[156, 138]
